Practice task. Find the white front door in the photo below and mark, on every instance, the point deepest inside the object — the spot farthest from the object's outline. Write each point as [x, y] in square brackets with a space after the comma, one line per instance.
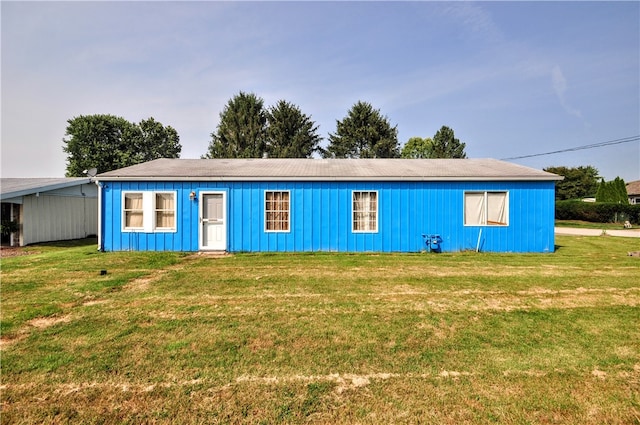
[213, 221]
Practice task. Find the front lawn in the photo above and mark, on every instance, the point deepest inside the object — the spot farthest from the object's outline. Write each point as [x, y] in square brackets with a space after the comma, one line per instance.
[323, 338]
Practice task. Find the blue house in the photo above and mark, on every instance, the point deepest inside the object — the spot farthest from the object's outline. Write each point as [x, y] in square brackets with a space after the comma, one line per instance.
[346, 205]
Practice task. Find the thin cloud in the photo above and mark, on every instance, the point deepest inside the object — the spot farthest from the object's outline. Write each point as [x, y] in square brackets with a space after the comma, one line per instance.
[560, 87]
[476, 20]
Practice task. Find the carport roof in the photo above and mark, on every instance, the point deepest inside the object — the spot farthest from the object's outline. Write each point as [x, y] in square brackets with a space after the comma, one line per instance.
[15, 187]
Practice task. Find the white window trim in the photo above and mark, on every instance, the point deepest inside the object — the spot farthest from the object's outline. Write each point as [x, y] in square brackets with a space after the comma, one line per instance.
[175, 211]
[353, 223]
[123, 212]
[149, 212]
[486, 207]
[265, 211]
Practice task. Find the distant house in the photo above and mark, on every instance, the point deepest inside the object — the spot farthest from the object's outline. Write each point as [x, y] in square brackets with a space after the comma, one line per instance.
[48, 209]
[347, 205]
[633, 192]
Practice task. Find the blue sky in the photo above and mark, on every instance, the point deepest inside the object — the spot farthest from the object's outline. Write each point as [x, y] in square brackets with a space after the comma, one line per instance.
[510, 78]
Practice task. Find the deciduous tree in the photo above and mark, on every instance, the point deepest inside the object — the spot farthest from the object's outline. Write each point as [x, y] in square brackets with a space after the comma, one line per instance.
[417, 147]
[157, 141]
[579, 182]
[108, 142]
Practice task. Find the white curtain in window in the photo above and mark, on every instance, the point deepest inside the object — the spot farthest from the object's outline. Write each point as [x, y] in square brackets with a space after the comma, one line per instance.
[496, 208]
[358, 206]
[133, 214]
[474, 211]
[165, 210]
[365, 211]
[373, 210]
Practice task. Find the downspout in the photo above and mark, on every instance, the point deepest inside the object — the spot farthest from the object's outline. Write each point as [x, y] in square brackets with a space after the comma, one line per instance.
[100, 247]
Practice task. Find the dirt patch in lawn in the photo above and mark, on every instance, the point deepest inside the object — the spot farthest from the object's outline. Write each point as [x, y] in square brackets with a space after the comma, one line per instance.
[39, 323]
[15, 251]
[46, 322]
[142, 283]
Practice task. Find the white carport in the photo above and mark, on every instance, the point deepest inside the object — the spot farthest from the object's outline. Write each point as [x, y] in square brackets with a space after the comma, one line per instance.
[49, 209]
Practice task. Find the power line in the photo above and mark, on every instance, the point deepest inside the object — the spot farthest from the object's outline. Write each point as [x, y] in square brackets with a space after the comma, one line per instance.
[577, 148]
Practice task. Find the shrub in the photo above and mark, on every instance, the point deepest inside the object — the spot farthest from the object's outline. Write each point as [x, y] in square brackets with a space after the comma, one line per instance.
[597, 212]
[8, 227]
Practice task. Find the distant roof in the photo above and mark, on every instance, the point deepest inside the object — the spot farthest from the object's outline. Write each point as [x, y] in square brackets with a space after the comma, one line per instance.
[633, 188]
[15, 187]
[327, 169]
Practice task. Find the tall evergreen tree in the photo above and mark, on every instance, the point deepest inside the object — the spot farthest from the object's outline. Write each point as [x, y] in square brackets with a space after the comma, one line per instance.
[614, 191]
[290, 133]
[241, 132]
[621, 191]
[602, 195]
[363, 133]
[108, 142]
[445, 145]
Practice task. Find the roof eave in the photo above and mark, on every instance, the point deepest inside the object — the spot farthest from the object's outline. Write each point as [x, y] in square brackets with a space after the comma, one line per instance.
[327, 178]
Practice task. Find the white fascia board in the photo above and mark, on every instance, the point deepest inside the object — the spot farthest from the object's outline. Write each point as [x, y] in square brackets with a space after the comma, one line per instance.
[43, 188]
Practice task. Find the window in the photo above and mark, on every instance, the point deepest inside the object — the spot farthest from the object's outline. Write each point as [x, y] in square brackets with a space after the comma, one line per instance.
[365, 211]
[133, 211]
[486, 208]
[165, 211]
[276, 211]
[149, 211]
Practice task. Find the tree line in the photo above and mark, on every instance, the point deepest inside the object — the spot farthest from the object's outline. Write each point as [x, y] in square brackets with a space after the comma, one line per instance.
[248, 129]
[108, 142]
[584, 182]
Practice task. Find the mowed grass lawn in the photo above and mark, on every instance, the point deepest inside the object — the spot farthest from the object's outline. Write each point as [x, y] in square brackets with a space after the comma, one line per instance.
[323, 338]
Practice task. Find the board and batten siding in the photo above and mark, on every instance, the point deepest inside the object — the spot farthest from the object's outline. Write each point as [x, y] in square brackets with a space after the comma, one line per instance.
[321, 214]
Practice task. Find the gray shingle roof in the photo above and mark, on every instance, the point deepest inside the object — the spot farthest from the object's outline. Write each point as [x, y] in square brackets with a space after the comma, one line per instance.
[327, 169]
[14, 187]
[633, 188]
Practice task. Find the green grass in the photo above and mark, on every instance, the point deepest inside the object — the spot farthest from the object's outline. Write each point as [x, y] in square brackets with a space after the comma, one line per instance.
[323, 338]
[589, 225]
